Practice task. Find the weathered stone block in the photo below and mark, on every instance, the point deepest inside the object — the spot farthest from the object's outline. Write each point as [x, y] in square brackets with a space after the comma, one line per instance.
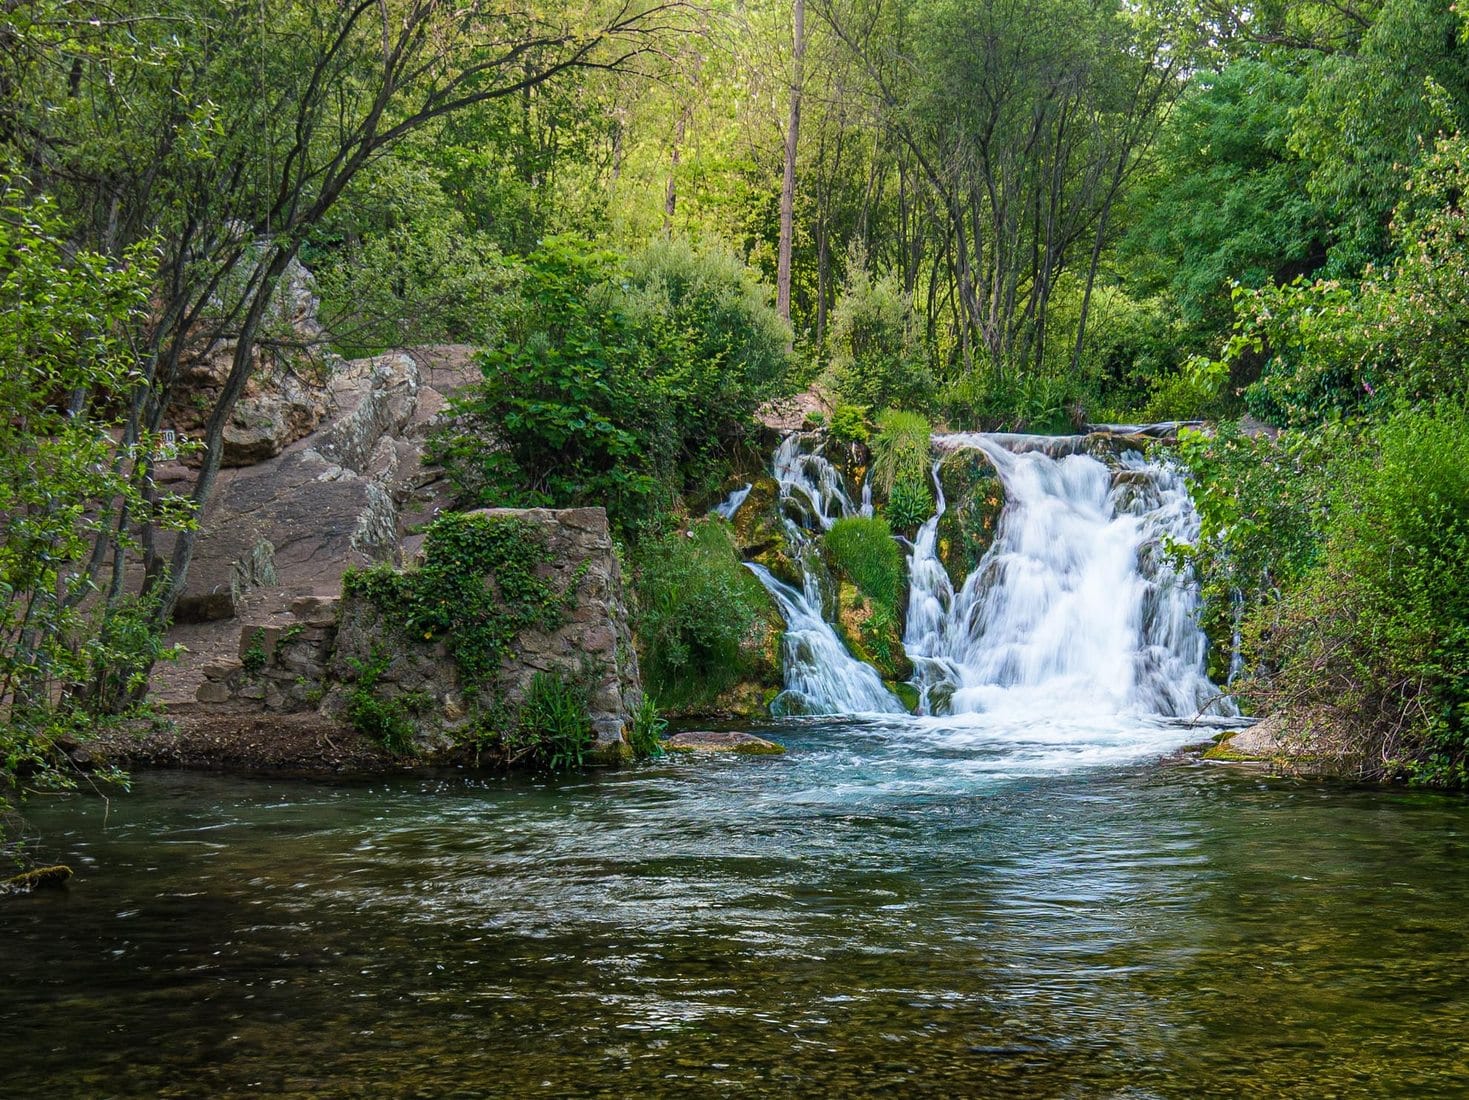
[211, 691]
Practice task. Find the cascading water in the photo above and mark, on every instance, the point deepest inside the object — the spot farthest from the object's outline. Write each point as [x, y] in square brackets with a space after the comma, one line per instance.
[1073, 642]
[731, 504]
[1077, 604]
[821, 677]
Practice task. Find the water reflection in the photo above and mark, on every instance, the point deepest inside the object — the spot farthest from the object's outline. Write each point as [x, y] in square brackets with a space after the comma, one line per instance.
[873, 912]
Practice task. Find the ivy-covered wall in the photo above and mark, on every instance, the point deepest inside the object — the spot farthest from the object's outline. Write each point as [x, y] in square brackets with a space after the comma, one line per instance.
[504, 611]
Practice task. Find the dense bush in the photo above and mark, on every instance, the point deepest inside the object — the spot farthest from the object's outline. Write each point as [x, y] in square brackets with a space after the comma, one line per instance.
[398, 264]
[617, 383]
[553, 728]
[1350, 553]
[697, 612]
[1372, 646]
[874, 345]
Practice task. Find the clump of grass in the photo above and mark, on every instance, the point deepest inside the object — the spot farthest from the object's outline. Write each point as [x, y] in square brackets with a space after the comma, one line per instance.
[862, 549]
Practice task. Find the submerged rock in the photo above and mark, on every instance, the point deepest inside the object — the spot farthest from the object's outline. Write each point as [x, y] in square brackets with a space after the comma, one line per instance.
[37, 879]
[746, 744]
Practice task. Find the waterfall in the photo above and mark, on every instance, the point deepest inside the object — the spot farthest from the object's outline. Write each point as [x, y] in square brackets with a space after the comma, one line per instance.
[731, 504]
[930, 608]
[1077, 603]
[821, 677]
[1077, 608]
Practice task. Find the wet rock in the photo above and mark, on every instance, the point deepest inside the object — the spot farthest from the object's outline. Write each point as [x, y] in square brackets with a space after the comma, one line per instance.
[975, 498]
[746, 744]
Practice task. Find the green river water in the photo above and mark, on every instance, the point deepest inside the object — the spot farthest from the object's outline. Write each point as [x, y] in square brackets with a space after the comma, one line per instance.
[878, 912]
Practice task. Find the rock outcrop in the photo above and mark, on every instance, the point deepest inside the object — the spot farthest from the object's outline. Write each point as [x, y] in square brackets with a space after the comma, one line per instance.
[591, 643]
[318, 659]
[344, 495]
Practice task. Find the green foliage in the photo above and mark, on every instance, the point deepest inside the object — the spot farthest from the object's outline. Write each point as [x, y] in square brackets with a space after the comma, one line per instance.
[1262, 506]
[399, 264]
[648, 726]
[874, 345]
[1371, 647]
[477, 589]
[1228, 204]
[553, 728]
[717, 347]
[863, 550]
[1372, 112]
[849, 424]
[899, 450]
[254, 656]
[70, 652]
[698, 614]
[388, 721]
[909, 505]
[618, 382]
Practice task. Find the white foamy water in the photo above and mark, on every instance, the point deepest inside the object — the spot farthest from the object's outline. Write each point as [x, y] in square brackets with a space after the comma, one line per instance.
[731, 504]
[821, 677]
[1077, 611]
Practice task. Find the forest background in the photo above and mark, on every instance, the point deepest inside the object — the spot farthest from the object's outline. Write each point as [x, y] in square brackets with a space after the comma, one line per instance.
[654, 218]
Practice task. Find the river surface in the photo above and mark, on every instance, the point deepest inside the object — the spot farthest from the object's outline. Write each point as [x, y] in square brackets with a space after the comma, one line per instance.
[891, 908]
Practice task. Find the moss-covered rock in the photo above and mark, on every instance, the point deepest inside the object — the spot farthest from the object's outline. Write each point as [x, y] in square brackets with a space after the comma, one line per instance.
[871, 632]
[38, 878]
[760, 533]
[907, 694]
[975, 498]
[744, 744]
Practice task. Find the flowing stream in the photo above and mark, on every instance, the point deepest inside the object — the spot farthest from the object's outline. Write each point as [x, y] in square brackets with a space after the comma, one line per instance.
[872, 914]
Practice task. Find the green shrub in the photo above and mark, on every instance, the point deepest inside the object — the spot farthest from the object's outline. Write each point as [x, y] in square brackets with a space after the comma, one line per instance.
[553, 728]
[619, 382]
[697, 610]
[1371, 647]
[900, 450]
[863, 550]
[646, 734]
[910, 505]
[849, 424]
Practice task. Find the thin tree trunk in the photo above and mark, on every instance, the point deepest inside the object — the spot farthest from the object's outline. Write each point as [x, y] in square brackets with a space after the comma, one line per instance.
[788, 180]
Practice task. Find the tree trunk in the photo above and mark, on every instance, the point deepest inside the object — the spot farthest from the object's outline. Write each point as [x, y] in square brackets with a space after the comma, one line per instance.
[788, 181]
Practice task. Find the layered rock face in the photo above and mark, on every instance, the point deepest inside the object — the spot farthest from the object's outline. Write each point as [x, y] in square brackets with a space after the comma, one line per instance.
[342, 495]
[262, 616]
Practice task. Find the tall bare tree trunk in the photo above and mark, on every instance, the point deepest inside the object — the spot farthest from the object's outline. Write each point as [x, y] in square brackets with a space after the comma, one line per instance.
[788, 182]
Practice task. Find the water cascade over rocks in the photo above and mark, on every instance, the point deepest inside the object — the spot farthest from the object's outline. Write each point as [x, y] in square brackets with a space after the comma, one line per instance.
[821, 677]
[1076, 611]
[1076, 603]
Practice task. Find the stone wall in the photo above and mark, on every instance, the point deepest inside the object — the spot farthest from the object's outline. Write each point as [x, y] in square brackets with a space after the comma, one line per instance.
[312, 661]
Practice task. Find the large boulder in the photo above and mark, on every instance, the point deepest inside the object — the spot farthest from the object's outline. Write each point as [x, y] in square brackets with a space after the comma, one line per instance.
[591, 643]
[344, 495]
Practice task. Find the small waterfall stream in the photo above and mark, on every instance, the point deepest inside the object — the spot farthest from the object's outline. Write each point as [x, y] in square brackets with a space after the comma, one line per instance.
[821, 677]
[1076, 608]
